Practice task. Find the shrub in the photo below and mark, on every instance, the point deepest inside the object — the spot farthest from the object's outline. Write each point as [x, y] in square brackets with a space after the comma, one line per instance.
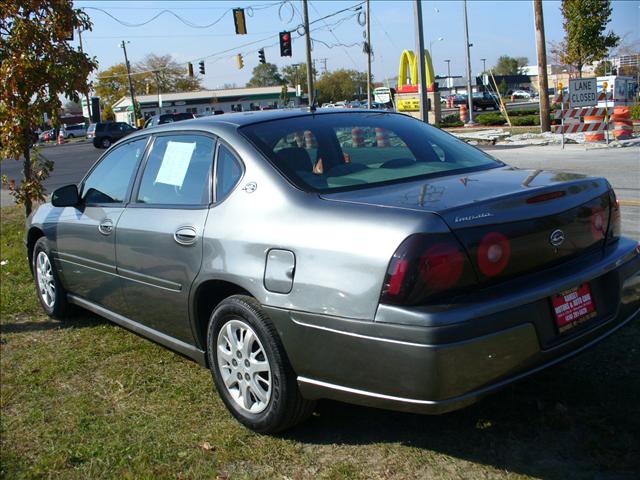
[525, 120]
[634, 111]
[490, 119]
[451, 121]
[523, 113]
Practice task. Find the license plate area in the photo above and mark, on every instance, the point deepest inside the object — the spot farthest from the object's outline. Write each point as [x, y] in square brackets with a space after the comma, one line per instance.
[573, 307]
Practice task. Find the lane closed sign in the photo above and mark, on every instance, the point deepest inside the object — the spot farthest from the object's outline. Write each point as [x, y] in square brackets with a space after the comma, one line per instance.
[583, 92]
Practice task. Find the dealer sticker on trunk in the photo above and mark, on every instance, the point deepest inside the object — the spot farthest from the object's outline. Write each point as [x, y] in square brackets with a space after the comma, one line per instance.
[573, 307]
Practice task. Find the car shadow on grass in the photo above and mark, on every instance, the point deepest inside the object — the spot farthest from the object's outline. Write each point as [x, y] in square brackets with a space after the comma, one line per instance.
[78, 320]
[577, 420]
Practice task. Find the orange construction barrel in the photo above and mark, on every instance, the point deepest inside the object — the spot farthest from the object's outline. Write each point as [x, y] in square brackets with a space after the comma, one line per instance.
[464, 113]
[596, 136]
[622, 123]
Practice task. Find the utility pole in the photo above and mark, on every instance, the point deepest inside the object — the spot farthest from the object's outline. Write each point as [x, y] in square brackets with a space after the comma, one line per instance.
[133, 98]
[157, 74]
[468, 46]
[543, 81]
[484, 71]
[309, 61]
[86, 94]
[368, 54]
[422, 87]
[448, 74]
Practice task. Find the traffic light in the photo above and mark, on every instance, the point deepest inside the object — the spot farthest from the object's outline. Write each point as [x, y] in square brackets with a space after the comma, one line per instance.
[190, 69]
[238, 20]
[240, 62]
[201, 65]
[261, 56]
[285, 44]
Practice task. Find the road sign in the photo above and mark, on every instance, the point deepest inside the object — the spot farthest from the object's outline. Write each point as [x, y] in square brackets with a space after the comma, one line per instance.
[583, 92]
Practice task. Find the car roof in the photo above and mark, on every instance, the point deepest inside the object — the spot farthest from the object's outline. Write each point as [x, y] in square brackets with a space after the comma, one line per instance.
[241, 119]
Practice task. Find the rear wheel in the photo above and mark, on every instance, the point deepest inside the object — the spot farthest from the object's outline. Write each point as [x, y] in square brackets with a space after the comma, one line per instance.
[250, 368]
[51, 293]
[105, 142]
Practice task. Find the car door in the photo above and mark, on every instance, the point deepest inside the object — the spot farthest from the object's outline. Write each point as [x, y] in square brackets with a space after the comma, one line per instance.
[159, 235]
[86, 234]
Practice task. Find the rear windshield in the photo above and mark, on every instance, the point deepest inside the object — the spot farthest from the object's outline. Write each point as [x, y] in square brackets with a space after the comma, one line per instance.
[353, 150]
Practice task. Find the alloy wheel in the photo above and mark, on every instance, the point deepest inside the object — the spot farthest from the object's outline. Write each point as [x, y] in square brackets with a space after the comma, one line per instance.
[46, 282]
[244, 366]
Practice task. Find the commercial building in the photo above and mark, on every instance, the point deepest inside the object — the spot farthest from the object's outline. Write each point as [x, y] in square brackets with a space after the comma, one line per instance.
[206, 102]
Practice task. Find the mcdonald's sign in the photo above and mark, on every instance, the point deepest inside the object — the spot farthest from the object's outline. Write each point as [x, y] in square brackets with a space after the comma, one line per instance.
[408, 74]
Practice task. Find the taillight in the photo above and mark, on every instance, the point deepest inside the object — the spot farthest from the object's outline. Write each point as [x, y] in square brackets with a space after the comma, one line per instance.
[426, 267]
[598, 222]
[615, 227]
[494, 253]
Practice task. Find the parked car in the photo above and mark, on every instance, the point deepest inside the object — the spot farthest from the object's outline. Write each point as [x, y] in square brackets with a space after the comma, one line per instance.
[328, 105]
[484, 100]
[74, 131]
[416, 276]
[523, 94]
[47, 135]
[340, 104]
[156, 120]
[459, 99]
[104, 134]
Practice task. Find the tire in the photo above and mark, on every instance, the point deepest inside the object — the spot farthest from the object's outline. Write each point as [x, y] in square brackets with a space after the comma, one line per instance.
[71, 136]
[264, 396]
[51, 293]
[105, 142]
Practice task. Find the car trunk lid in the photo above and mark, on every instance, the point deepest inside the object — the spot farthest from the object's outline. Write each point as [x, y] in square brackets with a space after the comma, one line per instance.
[510, 221]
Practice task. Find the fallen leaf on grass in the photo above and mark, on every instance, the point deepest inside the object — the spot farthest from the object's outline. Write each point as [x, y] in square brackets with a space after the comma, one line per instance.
[207, 447]
[3, 263]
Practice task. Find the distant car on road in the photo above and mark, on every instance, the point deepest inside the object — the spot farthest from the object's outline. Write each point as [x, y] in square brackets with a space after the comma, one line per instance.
[104, 134]
[458, 99]
[47, 135]
[167, 118]
[328, 105]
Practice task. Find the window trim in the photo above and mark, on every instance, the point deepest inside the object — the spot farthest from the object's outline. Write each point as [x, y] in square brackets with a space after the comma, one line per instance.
[216, 200]
[134, 175]
[133, 201]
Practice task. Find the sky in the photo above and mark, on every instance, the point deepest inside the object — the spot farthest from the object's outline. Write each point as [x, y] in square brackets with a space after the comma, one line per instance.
[495, 28]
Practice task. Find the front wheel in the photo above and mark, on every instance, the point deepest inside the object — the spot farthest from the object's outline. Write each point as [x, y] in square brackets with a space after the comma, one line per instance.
[250, 368]
[51, 293]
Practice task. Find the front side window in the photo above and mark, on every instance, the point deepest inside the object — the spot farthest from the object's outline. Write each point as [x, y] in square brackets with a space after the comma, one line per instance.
[228, 172]
[110, 179]
[178, 171]
[354, 150]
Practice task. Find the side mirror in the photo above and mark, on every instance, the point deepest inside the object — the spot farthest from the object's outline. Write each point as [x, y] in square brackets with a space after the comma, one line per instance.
[66, 196]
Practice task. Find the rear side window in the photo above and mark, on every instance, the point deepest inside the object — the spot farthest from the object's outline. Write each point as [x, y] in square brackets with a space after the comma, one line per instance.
[228, 172]
[100, 127]
[330, 152]
[178, 171]
[110, 179]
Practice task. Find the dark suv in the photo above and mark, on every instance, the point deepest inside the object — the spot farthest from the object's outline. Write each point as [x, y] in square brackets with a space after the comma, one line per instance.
[105, 133]
[167, 118]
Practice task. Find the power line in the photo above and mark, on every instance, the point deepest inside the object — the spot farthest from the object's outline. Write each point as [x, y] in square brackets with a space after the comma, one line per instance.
[335, 36]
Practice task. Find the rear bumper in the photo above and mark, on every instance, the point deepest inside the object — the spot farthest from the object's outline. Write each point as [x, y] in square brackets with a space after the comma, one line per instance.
[433, 360]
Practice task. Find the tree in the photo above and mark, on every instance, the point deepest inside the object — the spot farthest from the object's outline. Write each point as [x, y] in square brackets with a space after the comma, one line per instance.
[265, 75]
[284, 94]
[112, 84]
[107, 114]
[522, 62]
[585, 40]
[503, 88]
[506, 66]
[604, 68]
[296, 74]
[340, 85]
[37, 65]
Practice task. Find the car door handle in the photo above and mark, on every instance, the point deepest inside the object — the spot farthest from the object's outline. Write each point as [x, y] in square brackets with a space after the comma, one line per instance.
[105, 227]
[185, 235]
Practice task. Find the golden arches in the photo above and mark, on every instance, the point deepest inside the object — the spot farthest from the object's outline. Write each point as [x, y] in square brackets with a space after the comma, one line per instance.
[409, 69]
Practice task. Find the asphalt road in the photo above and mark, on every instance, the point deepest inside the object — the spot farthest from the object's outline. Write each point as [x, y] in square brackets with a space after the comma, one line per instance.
[621, 166]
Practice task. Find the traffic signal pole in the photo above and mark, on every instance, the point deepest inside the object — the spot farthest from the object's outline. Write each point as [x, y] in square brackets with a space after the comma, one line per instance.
[422, 88]
[309, 61]
[467, 47]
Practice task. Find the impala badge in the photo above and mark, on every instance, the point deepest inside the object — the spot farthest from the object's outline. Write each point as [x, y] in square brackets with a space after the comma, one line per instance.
[556, 238]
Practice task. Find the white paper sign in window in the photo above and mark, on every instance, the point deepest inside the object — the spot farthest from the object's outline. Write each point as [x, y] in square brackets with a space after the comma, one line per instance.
[175, 163]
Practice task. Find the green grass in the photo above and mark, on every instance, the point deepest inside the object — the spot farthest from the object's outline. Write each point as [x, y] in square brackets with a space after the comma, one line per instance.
[86, 399]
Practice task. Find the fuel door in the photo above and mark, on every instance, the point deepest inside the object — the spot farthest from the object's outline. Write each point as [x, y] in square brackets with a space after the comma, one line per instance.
[279, 271]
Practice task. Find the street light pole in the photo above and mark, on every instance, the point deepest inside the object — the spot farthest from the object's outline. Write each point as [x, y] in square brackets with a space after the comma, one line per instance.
[422, 87]
[448, 74]
[368, 54]
[468, 45]
[484, 70]
[133, 98]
